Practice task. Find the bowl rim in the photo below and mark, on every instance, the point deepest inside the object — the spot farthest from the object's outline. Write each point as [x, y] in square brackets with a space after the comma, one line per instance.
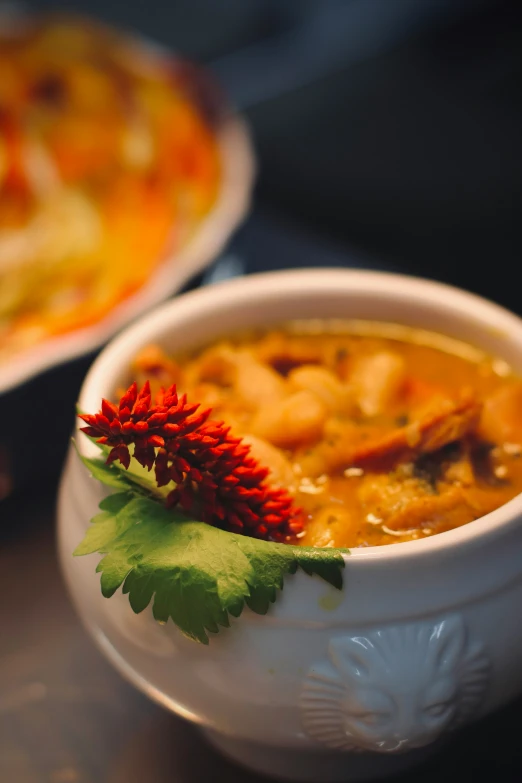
[174, 271]
[120, 350]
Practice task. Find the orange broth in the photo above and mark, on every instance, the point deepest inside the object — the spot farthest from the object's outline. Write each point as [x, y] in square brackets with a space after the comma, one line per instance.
[382, 433]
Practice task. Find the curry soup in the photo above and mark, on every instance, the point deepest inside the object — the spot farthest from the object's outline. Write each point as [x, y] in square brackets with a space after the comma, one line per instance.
[382, 433]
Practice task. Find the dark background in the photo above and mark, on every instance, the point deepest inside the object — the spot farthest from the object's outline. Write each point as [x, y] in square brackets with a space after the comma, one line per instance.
[388, 134]
[393, 126]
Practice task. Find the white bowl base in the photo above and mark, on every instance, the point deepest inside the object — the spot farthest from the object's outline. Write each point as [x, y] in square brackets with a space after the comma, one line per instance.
[308, 766]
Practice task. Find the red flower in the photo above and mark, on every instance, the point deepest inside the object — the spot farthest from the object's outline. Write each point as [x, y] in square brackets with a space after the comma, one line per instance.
[215, 476]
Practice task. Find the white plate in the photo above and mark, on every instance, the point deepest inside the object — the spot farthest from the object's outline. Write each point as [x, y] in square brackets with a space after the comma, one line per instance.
[231, 206]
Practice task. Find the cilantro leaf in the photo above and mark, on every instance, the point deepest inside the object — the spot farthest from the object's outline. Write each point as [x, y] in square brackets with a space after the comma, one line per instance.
[193, 573]
[104, 527]
[102, 472]
[197, 574]
[115, 475]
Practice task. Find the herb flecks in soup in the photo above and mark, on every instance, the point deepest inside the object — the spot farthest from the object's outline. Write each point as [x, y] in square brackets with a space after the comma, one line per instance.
[382, 433]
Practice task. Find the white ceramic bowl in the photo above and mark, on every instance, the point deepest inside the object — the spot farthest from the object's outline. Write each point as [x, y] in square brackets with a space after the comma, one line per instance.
[328, 686]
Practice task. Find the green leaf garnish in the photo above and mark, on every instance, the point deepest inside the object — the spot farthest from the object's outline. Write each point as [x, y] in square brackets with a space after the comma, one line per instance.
[195, 574]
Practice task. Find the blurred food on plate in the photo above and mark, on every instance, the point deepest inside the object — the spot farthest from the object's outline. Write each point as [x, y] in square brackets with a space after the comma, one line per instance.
[108, 162]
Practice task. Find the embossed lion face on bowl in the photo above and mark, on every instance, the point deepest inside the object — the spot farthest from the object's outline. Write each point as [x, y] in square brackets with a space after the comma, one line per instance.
[394, 689]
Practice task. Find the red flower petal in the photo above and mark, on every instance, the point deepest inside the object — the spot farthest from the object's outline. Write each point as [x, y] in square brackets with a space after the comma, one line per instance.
[109, 409]
[129, 398]
[156, 440]
[213, 471]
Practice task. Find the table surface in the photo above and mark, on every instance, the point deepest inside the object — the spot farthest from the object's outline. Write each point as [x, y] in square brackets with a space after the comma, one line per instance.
[67, 717]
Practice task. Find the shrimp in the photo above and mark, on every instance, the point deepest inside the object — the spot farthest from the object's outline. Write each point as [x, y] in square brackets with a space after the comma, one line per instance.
[444, 423]
[377, 380]
[337, 396]
[291, 422]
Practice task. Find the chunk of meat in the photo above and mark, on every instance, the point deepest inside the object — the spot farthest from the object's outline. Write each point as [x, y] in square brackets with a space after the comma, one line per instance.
[486, 499]
[337, 396]
[493, 465]
[459, 471]
[444, 423]
[377, 380]
[291, 422]
[336, 449]
[383, 495]
[448, 466]
[501, 420]
[330, 525]
[403, 506]
[436, 512]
